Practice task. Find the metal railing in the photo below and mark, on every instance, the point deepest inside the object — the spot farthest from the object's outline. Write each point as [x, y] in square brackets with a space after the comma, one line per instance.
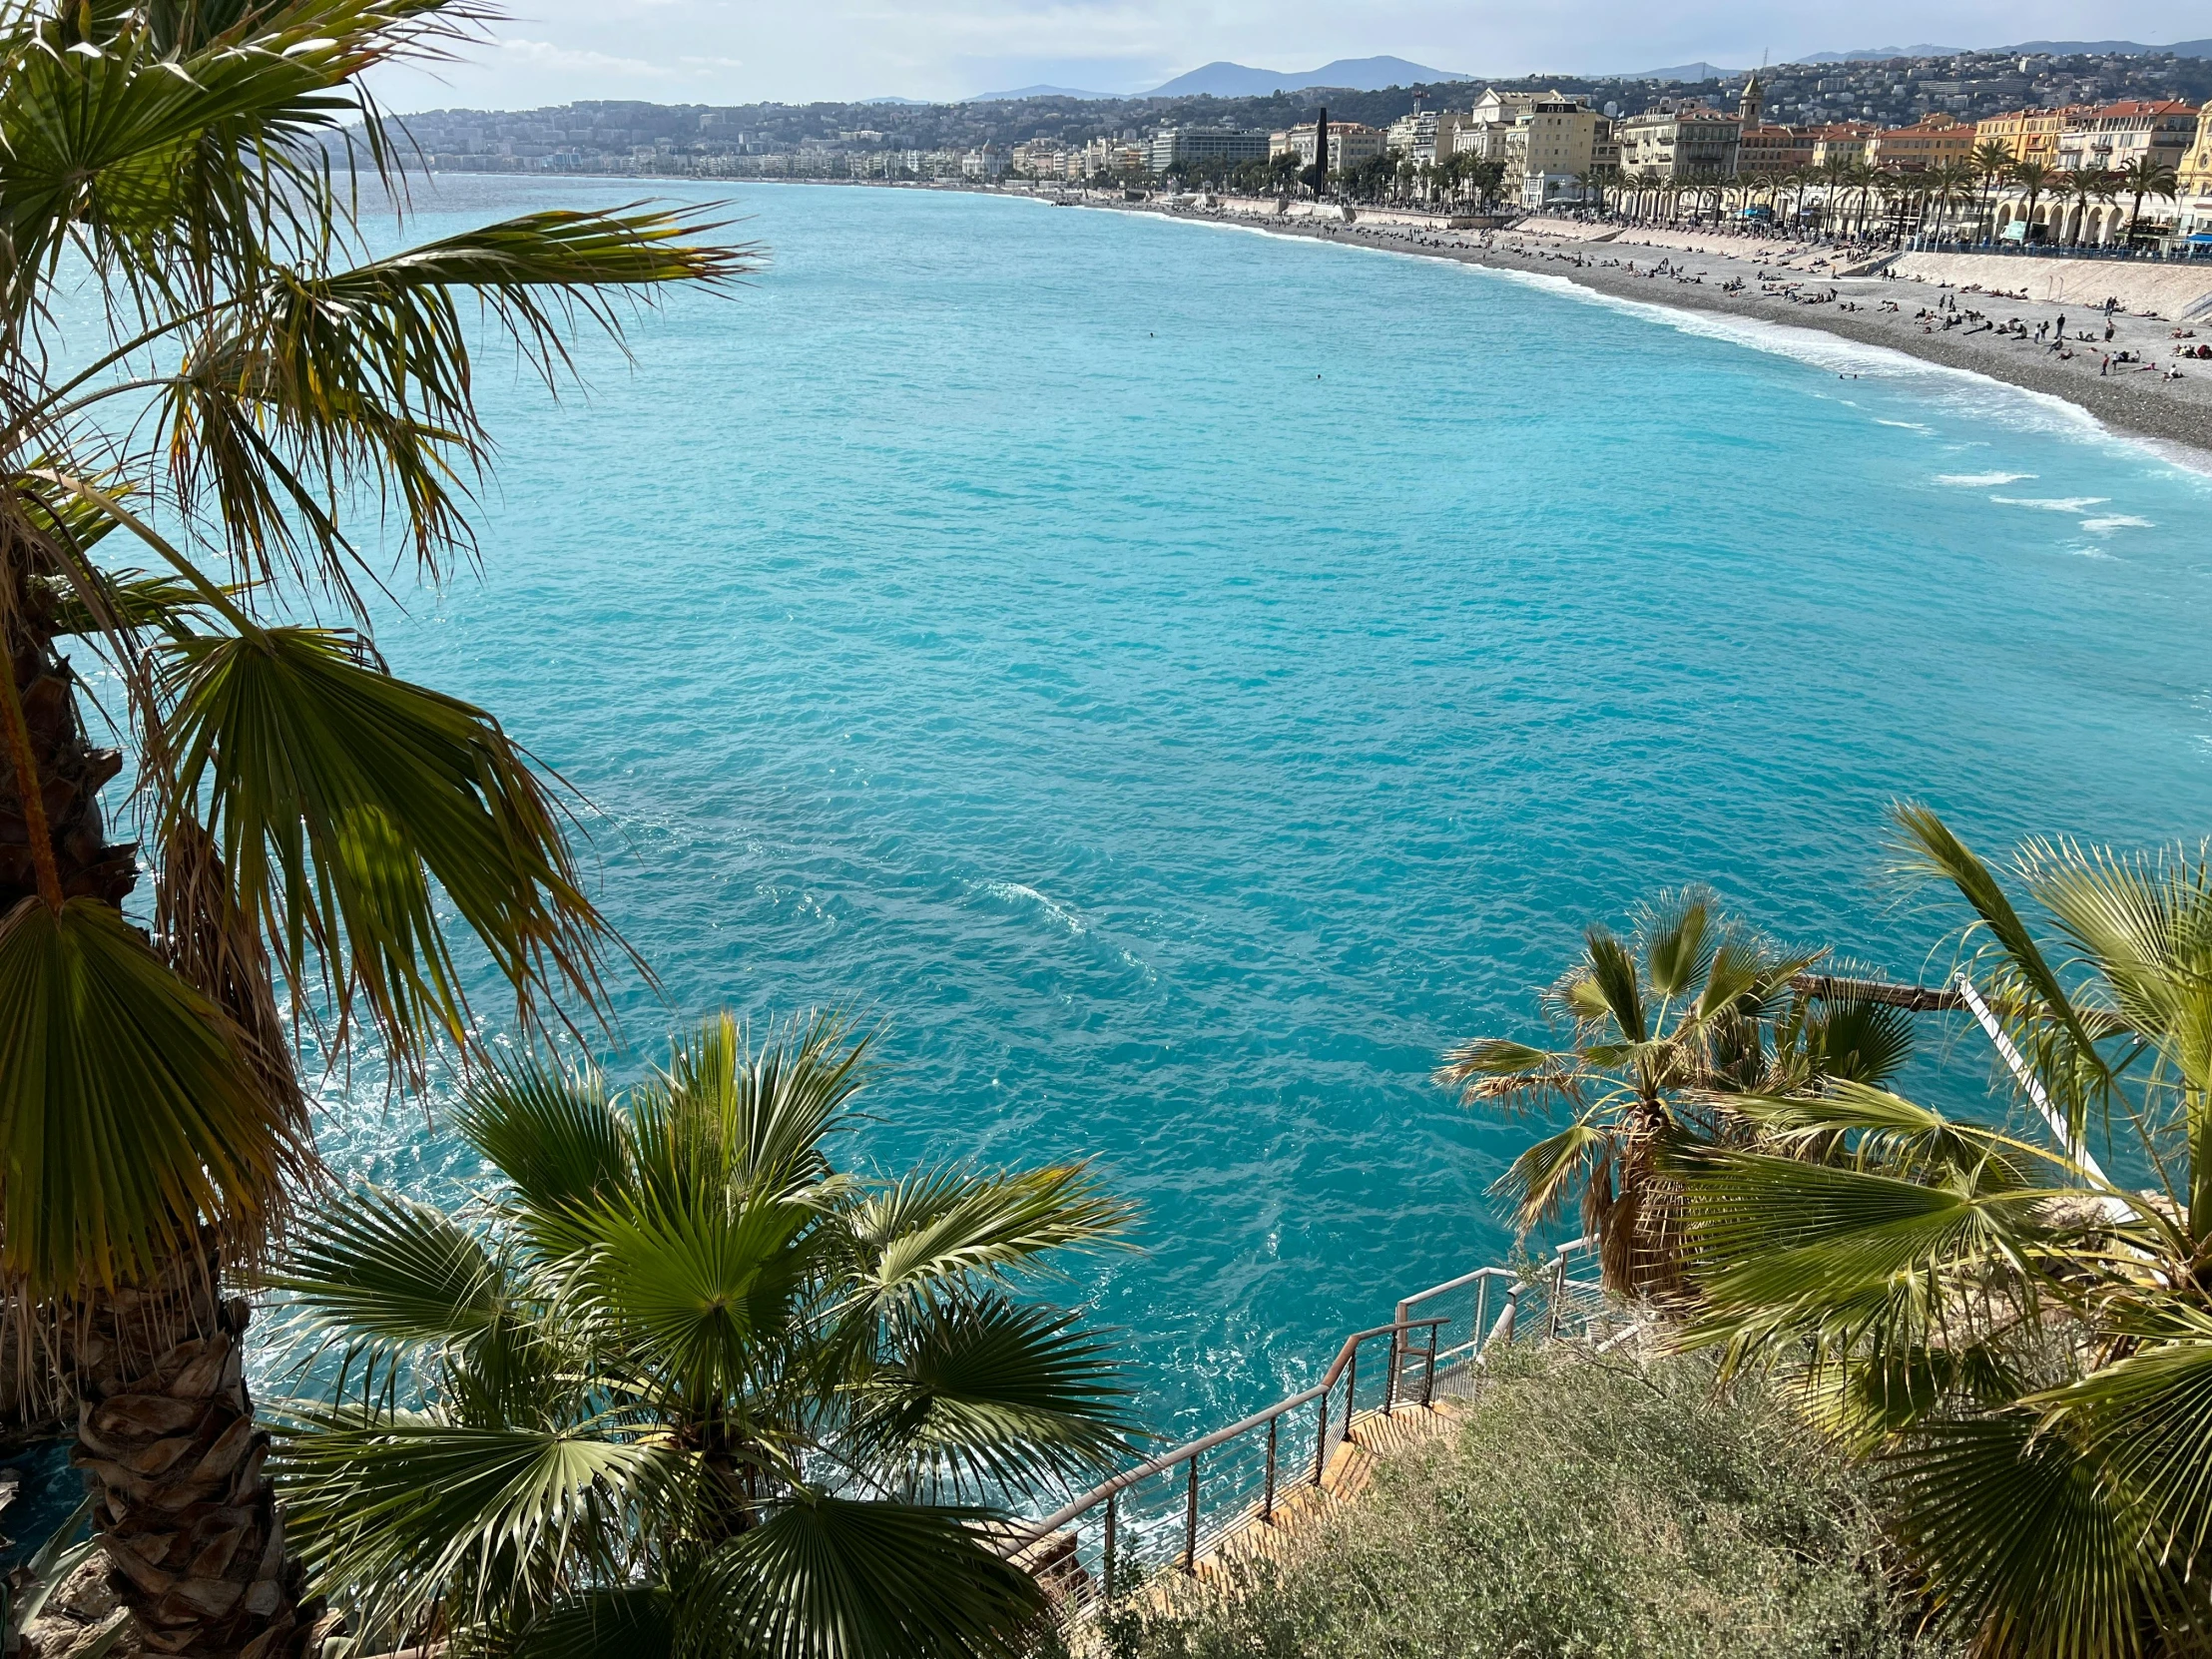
[1171, 1511]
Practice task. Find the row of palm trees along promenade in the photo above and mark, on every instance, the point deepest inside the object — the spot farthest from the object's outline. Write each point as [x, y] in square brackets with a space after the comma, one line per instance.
[2129, 178]
[684, 1383]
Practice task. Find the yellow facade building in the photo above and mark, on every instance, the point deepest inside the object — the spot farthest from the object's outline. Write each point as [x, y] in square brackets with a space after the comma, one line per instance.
[2030, 134]
[2194, 182]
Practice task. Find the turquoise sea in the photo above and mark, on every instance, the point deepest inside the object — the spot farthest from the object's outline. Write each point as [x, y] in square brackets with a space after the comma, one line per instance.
[1179, 680]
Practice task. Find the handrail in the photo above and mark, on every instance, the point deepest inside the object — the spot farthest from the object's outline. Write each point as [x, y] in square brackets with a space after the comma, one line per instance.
[1206, 1442]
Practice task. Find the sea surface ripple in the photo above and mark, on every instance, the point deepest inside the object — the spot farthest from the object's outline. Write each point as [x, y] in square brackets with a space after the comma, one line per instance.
[1180, 682]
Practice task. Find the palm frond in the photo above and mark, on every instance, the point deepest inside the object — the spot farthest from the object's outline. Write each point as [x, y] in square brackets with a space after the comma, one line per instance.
[2149, 1415]
[549, 1130]
[1612, 977]
[708, 1290]
[833, 1578]
[628, 1621]
[1496, 1070]
[743, 1119]
[2064, 1047]
[362, 378]
[2030, 1542]
[129, 1116]
[402, 1509]
[1779, 1243]
[928, 1232]
[1541, 1179]
[389, 1273]
[988, 1397]
[1677, 935]
[343, 800]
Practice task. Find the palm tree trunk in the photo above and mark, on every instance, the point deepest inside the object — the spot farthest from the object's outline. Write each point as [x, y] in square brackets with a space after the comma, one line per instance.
[165, 1429]
[71, 774]
[167, 1440]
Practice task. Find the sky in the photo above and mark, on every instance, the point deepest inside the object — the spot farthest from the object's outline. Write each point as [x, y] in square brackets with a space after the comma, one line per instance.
[748, 51]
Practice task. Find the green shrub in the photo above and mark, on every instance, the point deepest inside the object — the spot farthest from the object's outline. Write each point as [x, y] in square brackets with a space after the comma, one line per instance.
[1593, 1508]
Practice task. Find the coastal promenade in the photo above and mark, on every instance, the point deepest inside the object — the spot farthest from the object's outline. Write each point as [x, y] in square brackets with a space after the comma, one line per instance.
[2132, 380]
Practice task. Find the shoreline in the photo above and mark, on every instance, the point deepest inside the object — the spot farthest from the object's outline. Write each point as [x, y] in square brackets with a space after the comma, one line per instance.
[2175, 413]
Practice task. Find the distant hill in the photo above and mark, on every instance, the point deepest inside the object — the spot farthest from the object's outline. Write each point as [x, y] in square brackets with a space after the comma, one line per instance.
[912, 103]
[1236, 80]
[1020, 92]
[1880, 54]
[2115, 48]
[2028, 48]
[1683, 72]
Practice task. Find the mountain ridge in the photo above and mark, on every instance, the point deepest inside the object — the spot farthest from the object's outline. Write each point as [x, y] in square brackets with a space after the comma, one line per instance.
[1223, 79]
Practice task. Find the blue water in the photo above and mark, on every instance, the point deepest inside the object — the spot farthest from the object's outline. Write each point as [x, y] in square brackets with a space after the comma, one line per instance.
[1179, 679]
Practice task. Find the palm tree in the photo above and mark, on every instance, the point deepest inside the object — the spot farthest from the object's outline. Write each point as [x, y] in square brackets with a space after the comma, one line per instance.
[2023, 1340]
[1863, 177]
[683, 1384]
[1799, 179]
[310, 821]
[1991, 163]
[2143, 176]
[2086, 185]
[1833, 175]
[2032, 176]
[1691, 1002]
[1950, 181]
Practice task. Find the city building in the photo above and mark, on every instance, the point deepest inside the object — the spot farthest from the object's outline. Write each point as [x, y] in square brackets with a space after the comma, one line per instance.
[987, 160]
[1844, 141]
[1041, 158]
[2028, 135]
[1551, 150]
[1928, 144]
[1677, 140]
[2194, 182]
[1206, 144]
[1770, 151]
[2112, 136]
[1350, 144]
[1413, 136]
[1481, 133]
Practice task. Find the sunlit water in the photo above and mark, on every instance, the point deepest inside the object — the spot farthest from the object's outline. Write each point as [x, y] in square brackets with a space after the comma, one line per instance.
[1179, 679]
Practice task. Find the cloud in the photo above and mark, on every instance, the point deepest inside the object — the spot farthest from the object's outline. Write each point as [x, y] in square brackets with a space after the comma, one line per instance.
[546, 54]
[741, 51]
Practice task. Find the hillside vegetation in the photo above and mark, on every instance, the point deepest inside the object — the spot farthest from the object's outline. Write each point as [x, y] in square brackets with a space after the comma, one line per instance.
[1593, 1508]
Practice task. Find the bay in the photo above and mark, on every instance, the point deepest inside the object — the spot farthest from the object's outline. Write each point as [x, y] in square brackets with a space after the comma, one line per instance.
[1177, 681]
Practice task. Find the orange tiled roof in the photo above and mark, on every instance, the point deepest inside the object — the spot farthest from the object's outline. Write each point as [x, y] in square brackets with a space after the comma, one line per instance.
[2140, 105]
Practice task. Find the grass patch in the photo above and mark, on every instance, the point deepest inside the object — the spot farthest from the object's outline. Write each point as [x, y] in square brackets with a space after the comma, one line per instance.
[1593, 1508]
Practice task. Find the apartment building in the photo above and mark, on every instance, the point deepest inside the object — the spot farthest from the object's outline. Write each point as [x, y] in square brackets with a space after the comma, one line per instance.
[1844, 141]
[2028, 135]
[2114, 135]
[1206, 144]
[1551, 149]
[1350, 144]
[1680, 141]
[1928, 144]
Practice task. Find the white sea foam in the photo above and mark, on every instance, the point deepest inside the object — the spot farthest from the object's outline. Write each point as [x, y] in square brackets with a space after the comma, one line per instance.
[2052, 504]
[1966, 391]
[1904, 425]
[2117, 521]
[1016, 893]
[1982, 480]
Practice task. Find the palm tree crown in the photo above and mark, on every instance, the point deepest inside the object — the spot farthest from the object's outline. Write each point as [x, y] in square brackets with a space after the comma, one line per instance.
[246, 373]
[2025, 1340]
[1690, 1006]
[682, 1385]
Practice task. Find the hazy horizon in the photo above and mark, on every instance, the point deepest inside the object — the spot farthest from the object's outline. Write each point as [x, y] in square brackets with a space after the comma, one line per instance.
[720, 51]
